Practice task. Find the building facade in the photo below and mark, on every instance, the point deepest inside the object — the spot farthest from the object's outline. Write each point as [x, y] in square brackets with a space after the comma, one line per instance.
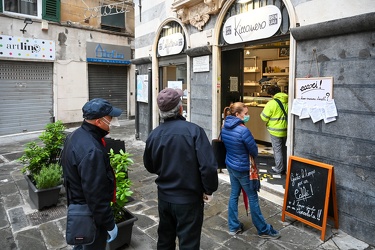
[55, 56]
[220, 52]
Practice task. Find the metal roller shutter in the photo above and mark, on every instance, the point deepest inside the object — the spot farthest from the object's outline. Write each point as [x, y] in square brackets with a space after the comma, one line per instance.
[109, 82]
[26, 99]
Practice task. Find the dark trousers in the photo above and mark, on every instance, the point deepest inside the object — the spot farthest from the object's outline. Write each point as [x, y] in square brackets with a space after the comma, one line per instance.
[99, 243]
[184, 221]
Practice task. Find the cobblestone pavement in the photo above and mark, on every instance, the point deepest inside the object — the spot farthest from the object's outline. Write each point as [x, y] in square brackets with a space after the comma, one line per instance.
[25, 228]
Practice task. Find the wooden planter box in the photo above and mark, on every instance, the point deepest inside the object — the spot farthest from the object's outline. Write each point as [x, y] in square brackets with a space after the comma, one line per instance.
[125, 229]
[43, 197]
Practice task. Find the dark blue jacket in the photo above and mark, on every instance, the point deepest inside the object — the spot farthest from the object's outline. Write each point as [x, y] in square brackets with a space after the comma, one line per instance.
[239, 143]
[181, 155]
[88, 173]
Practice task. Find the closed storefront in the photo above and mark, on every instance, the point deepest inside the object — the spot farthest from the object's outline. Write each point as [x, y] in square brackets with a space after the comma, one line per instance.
[109, 82]
[25, 96]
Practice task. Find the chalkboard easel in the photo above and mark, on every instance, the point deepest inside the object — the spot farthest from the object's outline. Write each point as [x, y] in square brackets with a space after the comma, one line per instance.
[310, 193]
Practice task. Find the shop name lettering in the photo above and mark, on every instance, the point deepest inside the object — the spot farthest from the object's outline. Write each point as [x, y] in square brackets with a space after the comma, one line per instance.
[103, 53]
[243, 29]
[169, 43]
[24, 46]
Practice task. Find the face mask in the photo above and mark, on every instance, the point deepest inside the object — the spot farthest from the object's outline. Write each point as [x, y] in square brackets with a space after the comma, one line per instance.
[114, 122]
[246, 118]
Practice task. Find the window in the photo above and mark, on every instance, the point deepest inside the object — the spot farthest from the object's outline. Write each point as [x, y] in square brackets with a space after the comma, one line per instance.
[112, 19]
[37, 9]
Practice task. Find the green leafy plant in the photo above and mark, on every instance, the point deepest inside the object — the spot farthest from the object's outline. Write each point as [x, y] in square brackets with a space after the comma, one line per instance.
[38, 155]
[120, 163]
[49, 176]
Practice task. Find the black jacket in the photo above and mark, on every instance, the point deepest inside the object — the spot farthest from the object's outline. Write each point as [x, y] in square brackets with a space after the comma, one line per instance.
[88, 175]
[181, 155]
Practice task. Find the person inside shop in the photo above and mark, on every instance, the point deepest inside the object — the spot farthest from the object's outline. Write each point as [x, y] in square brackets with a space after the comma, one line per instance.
[180, 153]
[275, 115]
[240, 145]
[88, 175]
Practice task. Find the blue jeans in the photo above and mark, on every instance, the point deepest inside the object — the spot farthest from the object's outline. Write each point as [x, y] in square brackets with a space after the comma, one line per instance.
[238, 180]
[279, 152]
[182, 220]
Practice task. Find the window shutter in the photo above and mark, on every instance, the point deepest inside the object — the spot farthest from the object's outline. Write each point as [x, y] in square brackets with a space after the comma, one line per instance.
[1, 5]
[51, 10]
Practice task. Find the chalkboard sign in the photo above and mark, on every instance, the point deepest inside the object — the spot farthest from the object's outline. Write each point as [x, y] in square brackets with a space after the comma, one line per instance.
[310, 193]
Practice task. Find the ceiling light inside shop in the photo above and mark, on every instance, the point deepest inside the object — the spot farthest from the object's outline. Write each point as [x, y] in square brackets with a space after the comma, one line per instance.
[166, 27]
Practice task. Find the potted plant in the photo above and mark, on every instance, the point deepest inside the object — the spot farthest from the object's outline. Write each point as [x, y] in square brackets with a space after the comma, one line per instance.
[40, 166]
[123, 217]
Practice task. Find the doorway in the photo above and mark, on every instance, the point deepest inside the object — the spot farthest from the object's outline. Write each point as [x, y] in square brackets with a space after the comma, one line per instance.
[175, 76]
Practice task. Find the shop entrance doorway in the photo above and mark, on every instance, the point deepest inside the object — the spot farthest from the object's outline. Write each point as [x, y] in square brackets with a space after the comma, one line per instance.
[175, 76]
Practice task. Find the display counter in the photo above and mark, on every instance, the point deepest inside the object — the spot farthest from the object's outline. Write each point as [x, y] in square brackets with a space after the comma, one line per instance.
[256, 125]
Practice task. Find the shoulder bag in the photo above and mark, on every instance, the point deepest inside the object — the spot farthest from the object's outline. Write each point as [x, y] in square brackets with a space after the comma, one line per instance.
[80, 223]
[219, 151]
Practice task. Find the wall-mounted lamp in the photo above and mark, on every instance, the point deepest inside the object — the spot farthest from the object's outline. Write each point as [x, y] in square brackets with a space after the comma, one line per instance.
[26, 21]
[247, 52]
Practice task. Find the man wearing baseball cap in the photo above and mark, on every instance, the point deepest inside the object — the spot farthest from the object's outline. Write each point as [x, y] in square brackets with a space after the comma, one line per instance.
[181, 155]
[88, 176]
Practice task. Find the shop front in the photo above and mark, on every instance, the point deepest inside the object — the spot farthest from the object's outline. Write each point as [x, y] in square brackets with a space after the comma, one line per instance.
[26, 84]
[254, 55]
[108, 67]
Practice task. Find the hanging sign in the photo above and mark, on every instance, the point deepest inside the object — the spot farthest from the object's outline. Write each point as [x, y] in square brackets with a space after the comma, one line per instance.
[315, 90]
[27, 48]
[253, 25]
[171, 45]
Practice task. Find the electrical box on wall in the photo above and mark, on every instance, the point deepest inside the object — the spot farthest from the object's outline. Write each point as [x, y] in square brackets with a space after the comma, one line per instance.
[44, 25]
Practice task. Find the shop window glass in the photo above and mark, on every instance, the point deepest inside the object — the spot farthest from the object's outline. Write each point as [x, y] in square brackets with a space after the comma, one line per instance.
[25, 7]
[35, 9]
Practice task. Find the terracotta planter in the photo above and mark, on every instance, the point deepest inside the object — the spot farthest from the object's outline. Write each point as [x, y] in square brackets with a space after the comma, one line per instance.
[125, 229]
[43, 197]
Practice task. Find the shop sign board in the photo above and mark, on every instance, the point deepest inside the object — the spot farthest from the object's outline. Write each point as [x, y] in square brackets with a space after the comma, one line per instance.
[108, 53]
[171, 44]
[27, 48]
[256, 24]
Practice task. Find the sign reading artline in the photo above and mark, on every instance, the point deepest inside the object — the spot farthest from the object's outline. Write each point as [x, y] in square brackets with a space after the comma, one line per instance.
[27, 48]
[253, 25]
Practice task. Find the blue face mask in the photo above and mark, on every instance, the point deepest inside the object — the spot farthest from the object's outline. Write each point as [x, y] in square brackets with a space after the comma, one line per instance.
[246, 118]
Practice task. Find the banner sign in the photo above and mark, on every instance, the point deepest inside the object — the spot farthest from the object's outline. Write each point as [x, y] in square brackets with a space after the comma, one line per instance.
[256, 24]
[108, 53]
[27, 48]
